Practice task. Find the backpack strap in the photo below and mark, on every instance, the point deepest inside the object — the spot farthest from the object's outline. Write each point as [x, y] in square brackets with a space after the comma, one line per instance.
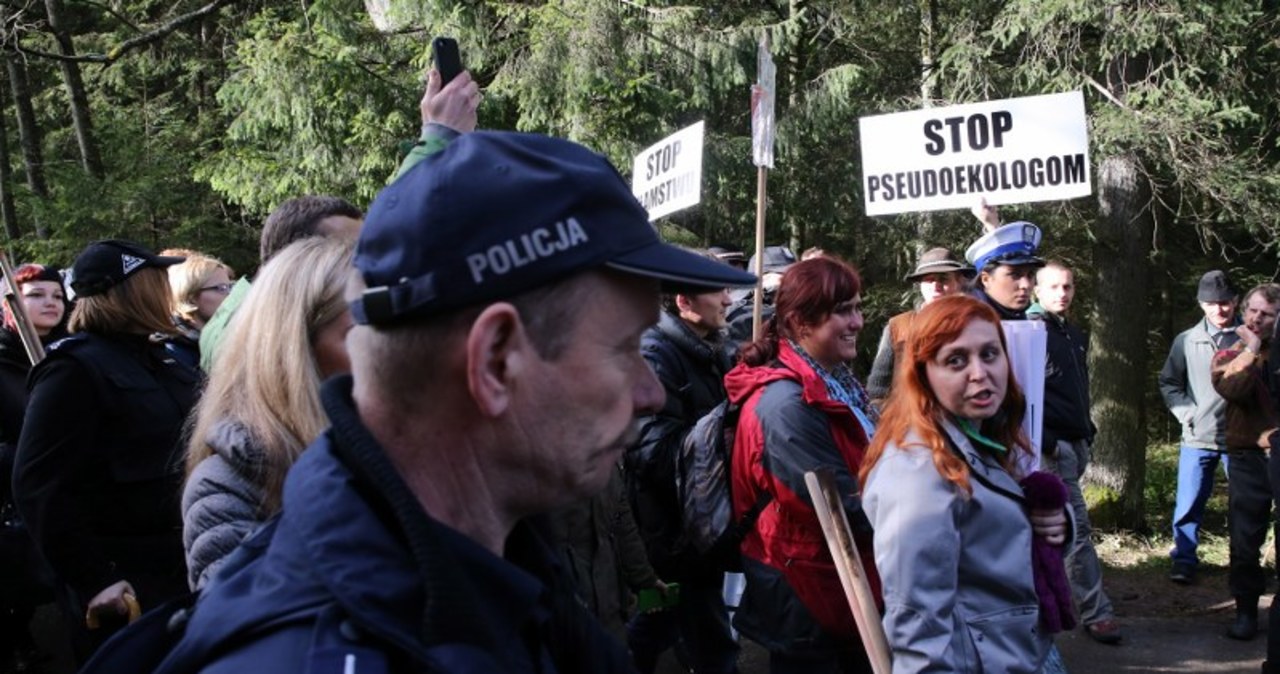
[747, 522]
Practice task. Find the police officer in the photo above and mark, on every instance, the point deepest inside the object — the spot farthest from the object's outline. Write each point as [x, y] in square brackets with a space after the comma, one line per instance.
[98, 466]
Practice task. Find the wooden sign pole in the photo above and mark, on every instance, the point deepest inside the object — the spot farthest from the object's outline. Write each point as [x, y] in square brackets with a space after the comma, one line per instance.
[835, 528]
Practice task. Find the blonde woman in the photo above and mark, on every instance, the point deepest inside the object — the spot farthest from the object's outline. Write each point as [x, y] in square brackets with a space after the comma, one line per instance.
[199, 285]
[96, 473]
[261, 407]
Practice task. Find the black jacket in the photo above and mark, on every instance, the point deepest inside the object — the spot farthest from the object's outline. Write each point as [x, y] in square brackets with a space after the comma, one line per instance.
[692, 372]
[14, 368]
[99, 464]
[1066, 380]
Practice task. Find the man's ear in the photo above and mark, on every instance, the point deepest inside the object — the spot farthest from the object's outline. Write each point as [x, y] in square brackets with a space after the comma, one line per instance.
[497, 350]
[682, 303]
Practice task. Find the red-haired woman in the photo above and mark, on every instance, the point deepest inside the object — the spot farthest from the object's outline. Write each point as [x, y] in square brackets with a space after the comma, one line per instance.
[802, 410]
[40, 289]
[953, 542]
[24, 582]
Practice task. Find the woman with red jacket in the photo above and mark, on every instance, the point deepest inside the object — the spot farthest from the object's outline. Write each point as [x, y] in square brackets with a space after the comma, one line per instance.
[802, 410]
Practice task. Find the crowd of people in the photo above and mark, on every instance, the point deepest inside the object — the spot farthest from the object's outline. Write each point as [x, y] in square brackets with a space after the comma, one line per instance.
[447, 435]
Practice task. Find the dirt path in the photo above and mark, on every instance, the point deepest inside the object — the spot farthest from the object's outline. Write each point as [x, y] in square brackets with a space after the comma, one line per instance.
[1163, 644]
[1168, 628]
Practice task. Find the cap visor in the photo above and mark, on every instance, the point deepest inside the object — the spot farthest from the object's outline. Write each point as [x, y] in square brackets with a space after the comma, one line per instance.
[1020, 261]
[166, 260]
[676, 267]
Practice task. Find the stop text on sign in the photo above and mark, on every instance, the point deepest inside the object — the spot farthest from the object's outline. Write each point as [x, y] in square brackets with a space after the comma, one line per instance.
[667, 176]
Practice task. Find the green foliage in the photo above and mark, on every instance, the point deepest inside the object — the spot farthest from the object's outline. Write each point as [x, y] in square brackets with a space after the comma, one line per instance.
[207, 129]
[316, 102]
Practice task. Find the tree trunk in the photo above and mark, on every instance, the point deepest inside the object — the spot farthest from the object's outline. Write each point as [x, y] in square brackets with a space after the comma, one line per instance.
[80, 118]
[28, 132]
[7, 212]
[1118, 351]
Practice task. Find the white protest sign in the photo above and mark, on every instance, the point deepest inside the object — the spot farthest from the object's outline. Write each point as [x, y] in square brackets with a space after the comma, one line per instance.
[1012, 151]
[1027, 342]
[667, 176]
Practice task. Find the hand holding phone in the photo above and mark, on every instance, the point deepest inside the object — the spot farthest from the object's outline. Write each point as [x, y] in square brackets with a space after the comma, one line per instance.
[652, 599]
[444, 51]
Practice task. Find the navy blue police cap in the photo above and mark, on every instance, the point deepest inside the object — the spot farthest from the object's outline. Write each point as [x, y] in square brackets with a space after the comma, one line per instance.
[499, 213]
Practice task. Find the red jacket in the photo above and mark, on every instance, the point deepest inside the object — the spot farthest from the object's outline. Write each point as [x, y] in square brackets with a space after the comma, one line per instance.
[788, 426]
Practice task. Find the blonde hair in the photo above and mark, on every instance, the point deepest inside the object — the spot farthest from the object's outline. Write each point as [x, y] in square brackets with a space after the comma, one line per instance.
[188, 278]
[265, 377]
[137, 305]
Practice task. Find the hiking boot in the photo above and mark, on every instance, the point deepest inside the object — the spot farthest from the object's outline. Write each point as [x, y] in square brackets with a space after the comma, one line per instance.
[1182, 574]
[1246, 625]
[1104, 631]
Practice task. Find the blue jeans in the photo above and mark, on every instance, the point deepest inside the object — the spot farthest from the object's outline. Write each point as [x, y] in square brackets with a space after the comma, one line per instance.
[1195, 483]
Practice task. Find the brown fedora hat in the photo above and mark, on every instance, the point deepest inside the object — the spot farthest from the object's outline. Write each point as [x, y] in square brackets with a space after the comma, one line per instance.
[938, 261]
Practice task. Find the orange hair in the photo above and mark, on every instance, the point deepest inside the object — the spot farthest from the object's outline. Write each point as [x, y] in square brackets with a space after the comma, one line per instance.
[913, 406]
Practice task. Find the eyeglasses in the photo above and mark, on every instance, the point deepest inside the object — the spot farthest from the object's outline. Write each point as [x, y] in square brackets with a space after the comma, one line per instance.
[223, 288]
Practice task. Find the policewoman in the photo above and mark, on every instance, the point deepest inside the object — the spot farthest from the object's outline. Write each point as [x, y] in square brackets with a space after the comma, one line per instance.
[99, 465]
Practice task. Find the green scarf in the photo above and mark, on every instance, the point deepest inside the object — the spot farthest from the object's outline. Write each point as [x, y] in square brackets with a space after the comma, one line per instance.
[979, 439]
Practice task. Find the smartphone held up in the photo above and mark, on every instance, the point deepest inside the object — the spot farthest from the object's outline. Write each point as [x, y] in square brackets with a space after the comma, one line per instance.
[444, 53]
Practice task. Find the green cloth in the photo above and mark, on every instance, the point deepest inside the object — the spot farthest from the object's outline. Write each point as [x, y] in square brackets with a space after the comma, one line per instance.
[435, 138]
[212, 332]
[979, 439]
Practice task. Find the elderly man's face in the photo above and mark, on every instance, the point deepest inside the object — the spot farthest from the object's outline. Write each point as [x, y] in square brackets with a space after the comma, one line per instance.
[1010, 286]
[579, 409]
[1219, 314]
[941, 284]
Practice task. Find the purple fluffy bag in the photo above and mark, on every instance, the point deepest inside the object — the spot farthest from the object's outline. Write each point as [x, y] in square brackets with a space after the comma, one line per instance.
[1046, 491]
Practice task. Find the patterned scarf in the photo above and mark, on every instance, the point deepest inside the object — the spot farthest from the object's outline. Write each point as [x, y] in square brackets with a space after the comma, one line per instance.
[843, 387]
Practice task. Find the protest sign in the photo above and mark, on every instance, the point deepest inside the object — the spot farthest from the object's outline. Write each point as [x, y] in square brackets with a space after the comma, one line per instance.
[1027, 342]
[667, 176]
[1015, 150]
[762, 107]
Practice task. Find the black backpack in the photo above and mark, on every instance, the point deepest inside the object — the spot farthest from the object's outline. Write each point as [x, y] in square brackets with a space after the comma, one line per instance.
[704, 487]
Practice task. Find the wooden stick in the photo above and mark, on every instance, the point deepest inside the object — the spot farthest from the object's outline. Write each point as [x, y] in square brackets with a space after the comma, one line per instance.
[757, 309]
[857, 591]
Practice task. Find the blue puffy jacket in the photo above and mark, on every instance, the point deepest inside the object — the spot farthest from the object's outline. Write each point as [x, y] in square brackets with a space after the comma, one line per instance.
[354, 576]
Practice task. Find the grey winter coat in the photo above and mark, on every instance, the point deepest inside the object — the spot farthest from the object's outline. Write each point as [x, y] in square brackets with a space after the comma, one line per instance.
[1188, 390]
[221, 502]
[959, 593]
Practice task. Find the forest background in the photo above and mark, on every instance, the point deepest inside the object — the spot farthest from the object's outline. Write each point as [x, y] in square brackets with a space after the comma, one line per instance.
[183, 122]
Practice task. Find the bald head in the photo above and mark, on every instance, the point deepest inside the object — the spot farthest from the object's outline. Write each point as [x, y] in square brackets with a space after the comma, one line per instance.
[1055, 288]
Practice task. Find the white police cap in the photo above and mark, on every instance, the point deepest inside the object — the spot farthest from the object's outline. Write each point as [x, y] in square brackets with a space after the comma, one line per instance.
[1013, 244]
